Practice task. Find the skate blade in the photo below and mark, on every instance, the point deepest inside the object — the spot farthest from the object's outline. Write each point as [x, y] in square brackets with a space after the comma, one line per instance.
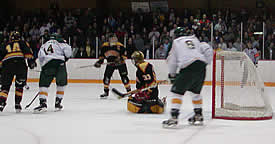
[197, 123]
[18, 111]
[103, 97]
[39, 111]
[170, 126]
[57, 109]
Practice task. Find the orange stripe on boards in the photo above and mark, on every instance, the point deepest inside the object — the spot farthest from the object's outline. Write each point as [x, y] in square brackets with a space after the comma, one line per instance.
[208, 83]
[197, 102]
[176, 101]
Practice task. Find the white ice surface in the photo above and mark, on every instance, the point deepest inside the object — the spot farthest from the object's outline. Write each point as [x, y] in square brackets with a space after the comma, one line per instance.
[86, 119]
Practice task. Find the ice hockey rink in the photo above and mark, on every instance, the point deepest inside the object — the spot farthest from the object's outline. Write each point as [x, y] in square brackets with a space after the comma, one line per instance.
[86, 119]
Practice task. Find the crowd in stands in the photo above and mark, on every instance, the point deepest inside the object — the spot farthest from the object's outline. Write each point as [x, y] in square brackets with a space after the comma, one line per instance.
[150, 32]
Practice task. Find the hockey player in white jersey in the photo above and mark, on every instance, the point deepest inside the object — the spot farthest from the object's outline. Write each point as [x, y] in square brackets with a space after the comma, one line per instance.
[52, 57]
[189, 57]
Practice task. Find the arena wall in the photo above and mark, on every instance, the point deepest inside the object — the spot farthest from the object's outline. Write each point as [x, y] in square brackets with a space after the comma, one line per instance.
[95, 75]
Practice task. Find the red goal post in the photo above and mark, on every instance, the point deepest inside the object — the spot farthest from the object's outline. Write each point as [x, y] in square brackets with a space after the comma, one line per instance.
[237, 88]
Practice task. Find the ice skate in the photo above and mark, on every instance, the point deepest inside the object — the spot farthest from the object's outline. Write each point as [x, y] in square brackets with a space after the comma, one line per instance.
[197, 119]
[18, 108]
[2, 106]
[104, 95]
[41, 108]
[170, 123]
[58, 106]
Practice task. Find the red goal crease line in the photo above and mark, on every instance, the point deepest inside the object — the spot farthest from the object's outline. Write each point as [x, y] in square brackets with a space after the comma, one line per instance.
[208, 83]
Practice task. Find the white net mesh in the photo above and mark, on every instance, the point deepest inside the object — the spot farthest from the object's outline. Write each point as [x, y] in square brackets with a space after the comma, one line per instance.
[239, 90]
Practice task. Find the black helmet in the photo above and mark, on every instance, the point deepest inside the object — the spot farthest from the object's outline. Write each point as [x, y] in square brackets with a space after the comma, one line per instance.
[56, 36]
[181, 31]
[15, 35]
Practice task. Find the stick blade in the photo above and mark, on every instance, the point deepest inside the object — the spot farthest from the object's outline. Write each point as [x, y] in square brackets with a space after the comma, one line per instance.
[117, 93]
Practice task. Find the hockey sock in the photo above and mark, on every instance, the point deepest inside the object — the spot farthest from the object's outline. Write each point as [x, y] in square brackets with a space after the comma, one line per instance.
[18, 94]
[176, 104]
[196, 100]
[60, 91]
[43, 94]
[3, 96]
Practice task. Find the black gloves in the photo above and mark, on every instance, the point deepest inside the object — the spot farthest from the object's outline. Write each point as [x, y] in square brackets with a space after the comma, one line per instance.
[31, 63]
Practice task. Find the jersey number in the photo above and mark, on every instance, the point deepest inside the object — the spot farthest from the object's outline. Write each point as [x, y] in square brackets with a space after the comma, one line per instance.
[146, 77]
[15, 48]
[190, 44]
[49, 50]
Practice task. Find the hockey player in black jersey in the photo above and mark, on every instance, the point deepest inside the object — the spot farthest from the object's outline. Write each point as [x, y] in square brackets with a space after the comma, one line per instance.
[145, 101]
[13, 56]
[114, 52]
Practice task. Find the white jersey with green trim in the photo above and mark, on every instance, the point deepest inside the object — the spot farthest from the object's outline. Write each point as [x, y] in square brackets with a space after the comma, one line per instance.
[53, 49]
[187, 49]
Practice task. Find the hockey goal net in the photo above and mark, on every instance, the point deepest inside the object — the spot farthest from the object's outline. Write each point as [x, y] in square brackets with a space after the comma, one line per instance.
[237, 88]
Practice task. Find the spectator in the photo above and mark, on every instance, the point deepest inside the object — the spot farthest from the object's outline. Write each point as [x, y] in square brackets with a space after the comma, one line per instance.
[172, 30]
[230, 47]
[160, 52]
[43, 28]
[69, 20]
[222, 44]
[154, 34]
[252, 52]
[237, 44]
[130, 48]
[74, 49]
[45, 37]
[139, 43]
[90, 51]
[81, 53]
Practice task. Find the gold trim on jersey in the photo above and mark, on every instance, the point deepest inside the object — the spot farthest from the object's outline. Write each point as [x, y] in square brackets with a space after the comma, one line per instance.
[143, 66]
[108, 44]
[3, 94]
[13, 54]
[28, 56]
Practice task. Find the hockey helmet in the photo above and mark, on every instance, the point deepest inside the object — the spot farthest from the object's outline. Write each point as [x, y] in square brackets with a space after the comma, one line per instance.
[181, 31]
[137, 57]
[15, 35]
[56, 36]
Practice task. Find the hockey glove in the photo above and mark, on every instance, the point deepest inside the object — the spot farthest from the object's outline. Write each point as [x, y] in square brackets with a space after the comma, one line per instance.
[172, 77]
[98, 63]
[31, 63]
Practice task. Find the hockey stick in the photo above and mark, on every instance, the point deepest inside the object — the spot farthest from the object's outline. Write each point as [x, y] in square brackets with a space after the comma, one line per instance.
[92, 65]
[122, 95]
[27, 106]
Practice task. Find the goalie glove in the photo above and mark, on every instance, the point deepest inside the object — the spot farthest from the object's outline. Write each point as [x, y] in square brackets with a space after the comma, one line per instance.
[172, 77]
[31, 63]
